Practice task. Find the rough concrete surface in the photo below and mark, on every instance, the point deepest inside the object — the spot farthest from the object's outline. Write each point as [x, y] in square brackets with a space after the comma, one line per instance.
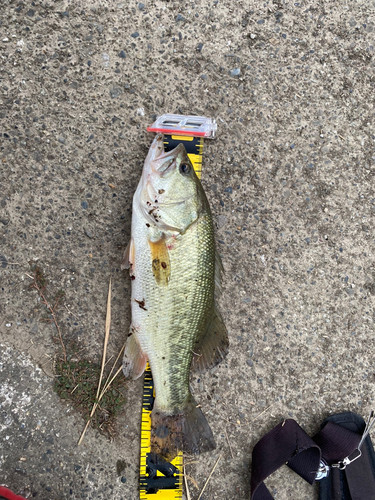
[290, 179]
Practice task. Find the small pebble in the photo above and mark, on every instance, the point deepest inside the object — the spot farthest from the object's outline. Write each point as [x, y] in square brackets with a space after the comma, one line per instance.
[115, 92]
[135, 34]
[180, 17]
[221, 221]
[34, 329]
[123, 479]
[89, 233]
[235, 72]
[141, 6]
[105, 58]
[122, 54]
[84, 205]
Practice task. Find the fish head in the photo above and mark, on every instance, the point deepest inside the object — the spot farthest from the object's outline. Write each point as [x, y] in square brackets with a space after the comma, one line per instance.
[172, 194]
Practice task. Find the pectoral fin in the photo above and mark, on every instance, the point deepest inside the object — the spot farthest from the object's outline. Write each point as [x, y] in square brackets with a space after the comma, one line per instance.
[129, 255]
[134, 362]
[213, 346]
[161, 266]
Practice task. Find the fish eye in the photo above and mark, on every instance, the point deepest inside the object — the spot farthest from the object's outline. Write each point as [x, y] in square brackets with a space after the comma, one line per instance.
[185, 168]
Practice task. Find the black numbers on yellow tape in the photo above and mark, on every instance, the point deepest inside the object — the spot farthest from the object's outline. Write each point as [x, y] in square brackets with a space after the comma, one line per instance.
[193, 146]
[159, 479]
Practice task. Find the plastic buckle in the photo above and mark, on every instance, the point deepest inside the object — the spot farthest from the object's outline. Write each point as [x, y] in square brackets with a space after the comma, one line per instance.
[197, 126]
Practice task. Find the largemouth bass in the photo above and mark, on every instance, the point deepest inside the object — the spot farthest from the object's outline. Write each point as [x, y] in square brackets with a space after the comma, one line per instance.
[175, 276]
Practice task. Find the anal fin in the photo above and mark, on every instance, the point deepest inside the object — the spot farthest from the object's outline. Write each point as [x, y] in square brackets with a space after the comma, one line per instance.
[134, 361]
[212, 347]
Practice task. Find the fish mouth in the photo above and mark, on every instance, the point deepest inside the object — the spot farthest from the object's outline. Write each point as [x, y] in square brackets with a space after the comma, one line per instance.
[166, 161]
[156, 148]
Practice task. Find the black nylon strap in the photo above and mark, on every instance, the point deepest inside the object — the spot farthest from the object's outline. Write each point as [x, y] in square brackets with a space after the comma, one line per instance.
[336, 442]
[357, 481]
[288, 443]
[360, 478]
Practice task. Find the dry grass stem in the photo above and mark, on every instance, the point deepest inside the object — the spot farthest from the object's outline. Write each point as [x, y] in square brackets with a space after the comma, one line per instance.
[186, 486]
[226, 435]
[70, 312]
[107, 384]
[264, 411]
[192, 480]
[52, 309]
[107, 330]
[86, 426]
[209, 477]
[106, 363]
[101, 391]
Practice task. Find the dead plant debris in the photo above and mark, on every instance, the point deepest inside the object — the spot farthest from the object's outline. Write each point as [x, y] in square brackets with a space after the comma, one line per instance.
[40, 284]
[77, 382]
[95, 392]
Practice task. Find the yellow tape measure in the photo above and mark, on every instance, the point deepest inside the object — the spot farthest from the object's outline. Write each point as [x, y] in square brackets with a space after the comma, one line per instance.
[161, 480]
[193, 146]
[158, 479]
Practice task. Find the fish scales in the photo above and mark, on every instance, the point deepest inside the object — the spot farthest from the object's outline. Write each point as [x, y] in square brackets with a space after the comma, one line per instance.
[177, 313]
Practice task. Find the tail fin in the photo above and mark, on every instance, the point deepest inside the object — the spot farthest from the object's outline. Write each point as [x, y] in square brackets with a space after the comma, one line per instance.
[188, 431]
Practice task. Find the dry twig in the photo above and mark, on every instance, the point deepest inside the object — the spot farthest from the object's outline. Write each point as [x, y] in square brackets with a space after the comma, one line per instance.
[107, 329]
[264, 411]
[48, 305]
[100, 392]
[209, 477]
[70, 312]
[186, 486]
[226, 435]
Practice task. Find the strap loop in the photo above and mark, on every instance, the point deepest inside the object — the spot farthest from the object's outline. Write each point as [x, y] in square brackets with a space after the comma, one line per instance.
[311, 458]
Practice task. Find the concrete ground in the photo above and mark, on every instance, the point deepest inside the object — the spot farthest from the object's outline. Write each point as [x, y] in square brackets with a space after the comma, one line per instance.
[290, 179]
